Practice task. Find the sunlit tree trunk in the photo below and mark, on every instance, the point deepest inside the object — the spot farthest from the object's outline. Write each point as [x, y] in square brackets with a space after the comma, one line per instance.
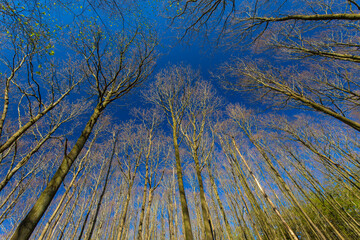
[273, 206]
[218, 199]
[172, 93]
[71, 184]
[92, 223]
[204, 205]
[147, 214]
[26, 227]
[170, 211]
[143, 205]
[179, 175]
[124, 213]
[241, 122]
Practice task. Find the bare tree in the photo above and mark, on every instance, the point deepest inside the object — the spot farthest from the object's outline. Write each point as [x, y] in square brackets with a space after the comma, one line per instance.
[65, 115]
[154, 173]
[332, 91]
[296, 30]
[172, 92]
[113, 74]
[151, 120]
[198, 114]
[31, 85]
[210, 165]
[131, 148]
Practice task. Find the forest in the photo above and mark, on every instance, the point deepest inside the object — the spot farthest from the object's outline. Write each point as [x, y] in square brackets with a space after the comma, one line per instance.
[117, 123]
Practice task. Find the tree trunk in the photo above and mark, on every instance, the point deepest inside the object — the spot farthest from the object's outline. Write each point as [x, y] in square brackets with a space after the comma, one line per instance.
[92, 224]
[286, 187]
[204, 206]
[147, 216]
[124, 213]
[27, 226]
[142, 213]
[184, 206]
[273, 206]
[214, 187]
[171, 217]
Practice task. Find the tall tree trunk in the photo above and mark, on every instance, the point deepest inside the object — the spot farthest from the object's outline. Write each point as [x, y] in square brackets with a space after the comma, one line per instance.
[214, 187]
[273, 206]
[184, 206]
[163, 230]
[67, 220]
[283, 184]
[124, 213]
[92, 224]
[199, 229]
[143, 205]
[72, 182]
[142, 213]
[92, 200]
[69, 214]
[27, 226]
[204, 206]
[53, 215]
[171, 217]
[147, 216]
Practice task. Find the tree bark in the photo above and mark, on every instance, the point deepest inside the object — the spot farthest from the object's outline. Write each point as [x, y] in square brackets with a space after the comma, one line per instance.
[184, 206]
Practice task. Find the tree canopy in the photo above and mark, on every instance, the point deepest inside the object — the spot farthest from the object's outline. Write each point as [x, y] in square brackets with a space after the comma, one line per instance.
[107, 133]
